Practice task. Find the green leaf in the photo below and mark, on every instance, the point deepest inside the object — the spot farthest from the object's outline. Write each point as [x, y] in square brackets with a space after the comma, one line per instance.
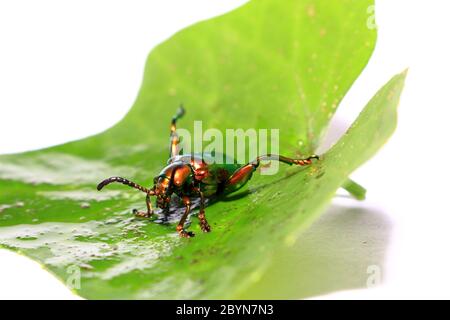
[268, 64]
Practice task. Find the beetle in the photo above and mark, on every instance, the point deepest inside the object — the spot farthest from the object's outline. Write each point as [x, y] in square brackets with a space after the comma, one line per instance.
[196, 176]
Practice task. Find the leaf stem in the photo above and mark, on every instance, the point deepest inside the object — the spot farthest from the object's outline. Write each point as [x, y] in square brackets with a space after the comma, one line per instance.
[355, 189]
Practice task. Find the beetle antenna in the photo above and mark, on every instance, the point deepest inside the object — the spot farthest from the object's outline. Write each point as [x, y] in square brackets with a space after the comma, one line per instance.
[125, 182]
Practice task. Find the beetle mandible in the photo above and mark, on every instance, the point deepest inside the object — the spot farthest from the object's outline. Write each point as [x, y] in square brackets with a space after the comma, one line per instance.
[196, 176]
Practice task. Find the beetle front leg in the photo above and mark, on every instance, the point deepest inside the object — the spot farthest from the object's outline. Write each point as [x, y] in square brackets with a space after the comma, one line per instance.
[180, 227]
[149, 212]
[201, 215]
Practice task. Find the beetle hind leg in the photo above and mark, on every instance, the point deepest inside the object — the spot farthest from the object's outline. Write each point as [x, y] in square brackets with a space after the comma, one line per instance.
[241, 176]
[289, 161]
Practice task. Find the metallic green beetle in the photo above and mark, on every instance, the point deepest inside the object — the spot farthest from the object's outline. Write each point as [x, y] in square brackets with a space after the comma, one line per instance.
[196, 176]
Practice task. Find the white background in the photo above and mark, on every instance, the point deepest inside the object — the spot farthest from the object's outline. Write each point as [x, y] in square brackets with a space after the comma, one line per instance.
[70, 69]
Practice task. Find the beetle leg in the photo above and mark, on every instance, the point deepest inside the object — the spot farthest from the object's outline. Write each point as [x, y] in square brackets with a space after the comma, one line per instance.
[290, 161]
[241, 176]
[180, 227]
[201, 215]
[149, 212]
[174, 139]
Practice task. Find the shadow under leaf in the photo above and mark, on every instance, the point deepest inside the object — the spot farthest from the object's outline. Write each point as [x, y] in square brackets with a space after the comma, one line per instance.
[333, 254]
